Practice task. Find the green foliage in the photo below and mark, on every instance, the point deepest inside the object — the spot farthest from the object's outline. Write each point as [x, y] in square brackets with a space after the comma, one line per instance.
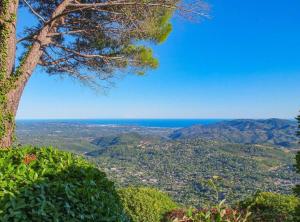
[6, 81]
[121, 39]
[50, 185]
[179, 167]
[158, 25]
[272, 207]
[145, 204]
[122, 139]
[218, 213]
[142, 56]
[3, 49]
[4, 32]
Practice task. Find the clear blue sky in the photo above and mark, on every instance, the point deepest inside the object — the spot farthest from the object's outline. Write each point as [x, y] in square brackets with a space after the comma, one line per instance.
[244, 62]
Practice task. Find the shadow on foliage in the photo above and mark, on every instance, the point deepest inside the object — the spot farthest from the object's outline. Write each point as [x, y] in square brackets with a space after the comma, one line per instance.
[61, 187]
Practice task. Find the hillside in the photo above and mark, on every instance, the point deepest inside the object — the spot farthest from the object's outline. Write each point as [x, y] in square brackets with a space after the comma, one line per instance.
[124, 139]
[272, 131]
[181, 167]
[134, 155]
[79, 137]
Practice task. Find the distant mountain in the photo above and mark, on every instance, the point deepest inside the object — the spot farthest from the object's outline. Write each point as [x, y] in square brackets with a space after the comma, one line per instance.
[278, 132]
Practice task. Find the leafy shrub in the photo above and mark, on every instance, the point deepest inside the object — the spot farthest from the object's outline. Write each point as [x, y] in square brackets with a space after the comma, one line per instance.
[219, 213]
[50, 185]
[146, 204]
[272, 207]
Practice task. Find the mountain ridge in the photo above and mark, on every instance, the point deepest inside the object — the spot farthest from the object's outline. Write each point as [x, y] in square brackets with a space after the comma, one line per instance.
[278, 132]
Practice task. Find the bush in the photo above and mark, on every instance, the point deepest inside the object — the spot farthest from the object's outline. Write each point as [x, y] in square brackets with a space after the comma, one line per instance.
[50, 185]
[219, 213]
[146, 204]
[272, 207]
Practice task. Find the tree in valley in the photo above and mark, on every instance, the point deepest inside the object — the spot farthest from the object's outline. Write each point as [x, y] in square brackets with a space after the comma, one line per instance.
[89, 40]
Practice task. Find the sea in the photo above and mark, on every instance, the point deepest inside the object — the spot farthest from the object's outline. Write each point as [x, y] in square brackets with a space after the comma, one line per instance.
[169, 123]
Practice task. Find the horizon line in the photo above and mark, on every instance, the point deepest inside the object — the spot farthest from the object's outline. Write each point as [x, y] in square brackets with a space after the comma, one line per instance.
[161, 118]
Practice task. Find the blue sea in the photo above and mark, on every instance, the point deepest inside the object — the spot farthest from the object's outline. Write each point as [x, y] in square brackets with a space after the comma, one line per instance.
[172, 123]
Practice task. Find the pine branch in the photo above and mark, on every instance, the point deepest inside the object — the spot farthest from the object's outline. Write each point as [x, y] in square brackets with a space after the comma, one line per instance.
[34, 12]
[88, 56]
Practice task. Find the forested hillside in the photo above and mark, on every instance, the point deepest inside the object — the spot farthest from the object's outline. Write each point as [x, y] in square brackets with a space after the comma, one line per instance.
[182, 167]
[278, 132]
[132, 155]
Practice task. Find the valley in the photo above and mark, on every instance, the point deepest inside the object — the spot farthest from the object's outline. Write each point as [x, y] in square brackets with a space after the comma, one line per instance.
[151, 156]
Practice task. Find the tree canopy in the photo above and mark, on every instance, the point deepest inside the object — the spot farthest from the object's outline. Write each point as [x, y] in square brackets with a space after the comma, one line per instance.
[91, 39]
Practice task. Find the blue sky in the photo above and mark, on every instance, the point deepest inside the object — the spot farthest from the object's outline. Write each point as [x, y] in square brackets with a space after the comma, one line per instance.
[243, 62]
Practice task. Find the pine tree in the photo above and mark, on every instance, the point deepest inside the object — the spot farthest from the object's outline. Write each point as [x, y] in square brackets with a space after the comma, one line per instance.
[89, 40]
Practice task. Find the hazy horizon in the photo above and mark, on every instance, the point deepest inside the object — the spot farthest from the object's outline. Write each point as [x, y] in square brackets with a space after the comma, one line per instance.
[156, 123]
[154, 118]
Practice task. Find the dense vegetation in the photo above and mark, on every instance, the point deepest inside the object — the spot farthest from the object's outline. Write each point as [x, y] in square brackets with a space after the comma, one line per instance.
[51, 185]
[44, 184]
[261, 207]
[218, 213]
[272, 207]
[277, 132]
[181, 168]
[137, 156]
[132, 155]
[146, 204]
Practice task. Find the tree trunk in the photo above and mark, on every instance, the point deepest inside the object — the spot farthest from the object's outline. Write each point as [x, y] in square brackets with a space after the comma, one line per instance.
[13, 81]
[8, 10]
[9, 109]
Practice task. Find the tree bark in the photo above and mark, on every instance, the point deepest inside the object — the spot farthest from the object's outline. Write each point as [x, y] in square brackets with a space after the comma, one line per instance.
[8, 13]
[13, 82]
[7, 124]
